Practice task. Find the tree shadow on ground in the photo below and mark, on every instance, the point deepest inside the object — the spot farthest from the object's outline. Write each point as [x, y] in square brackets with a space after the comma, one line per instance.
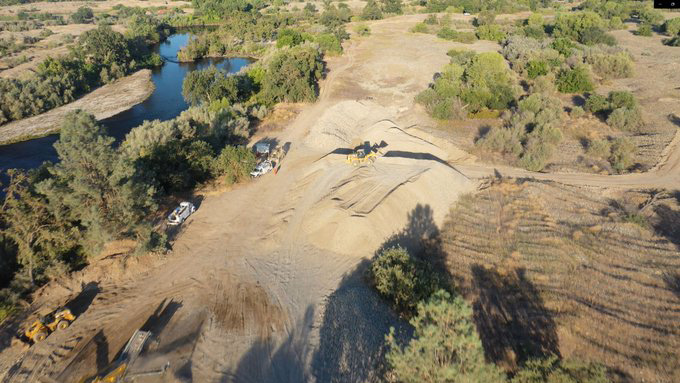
[672, 281]
[84, 299]
[668, 223]
[512, 321]
[421, 237]
[161, 316]
[269, 361]
[352, 334]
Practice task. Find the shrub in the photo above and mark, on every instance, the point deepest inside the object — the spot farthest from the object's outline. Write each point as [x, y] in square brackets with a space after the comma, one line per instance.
[599, 149]
[492, 32]
[543, 84]
[672, 26]
[447, 33]
[622, 154]
[573, 25]
[419, 28]
[288, 38]
[431, 19]
[445, 346]
[530, 132]
[644, 30]
[596, 103]
[82, 15]
[485, 17]
[650, 15]
[596, 35]
[481, 81]
[329, 43]
[553, 369]
[392, 6]
[611, 66]
[371, 11]
[576, 80]
[674, 42]
[563, 45]
[403, 280]
[625, 119]
[363, 30]
[622, 99]
[576, 112]
[615, 23]
[537, 68]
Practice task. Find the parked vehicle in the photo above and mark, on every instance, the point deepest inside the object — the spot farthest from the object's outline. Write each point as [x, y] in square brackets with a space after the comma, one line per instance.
[181, 213]
[263, 167]
[262, 151]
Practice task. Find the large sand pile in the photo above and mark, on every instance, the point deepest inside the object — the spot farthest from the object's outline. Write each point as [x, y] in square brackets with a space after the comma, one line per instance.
[352, 210]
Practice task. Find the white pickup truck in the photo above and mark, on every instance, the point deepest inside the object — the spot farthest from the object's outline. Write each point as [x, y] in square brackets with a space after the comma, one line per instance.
[263, 167]
[181, 213]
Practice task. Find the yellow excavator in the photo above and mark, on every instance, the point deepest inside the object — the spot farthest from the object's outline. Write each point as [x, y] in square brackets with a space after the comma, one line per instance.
[58, 319]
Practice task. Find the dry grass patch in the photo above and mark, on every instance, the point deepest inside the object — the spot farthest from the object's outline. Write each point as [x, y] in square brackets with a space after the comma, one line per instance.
[556, 269]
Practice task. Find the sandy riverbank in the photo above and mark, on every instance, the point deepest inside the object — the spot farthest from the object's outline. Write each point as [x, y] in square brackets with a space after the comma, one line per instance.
[103, 102]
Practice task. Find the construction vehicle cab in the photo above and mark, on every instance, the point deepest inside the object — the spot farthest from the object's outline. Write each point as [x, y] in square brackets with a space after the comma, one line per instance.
[60, 319]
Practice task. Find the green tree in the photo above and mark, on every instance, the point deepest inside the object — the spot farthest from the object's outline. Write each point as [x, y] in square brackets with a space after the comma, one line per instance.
[292, 75]
[40, 236]
[93, 184]
[403, 280]
[445, 347]
[371, 11]
[212, 84]
[234, 163]
[107, 49]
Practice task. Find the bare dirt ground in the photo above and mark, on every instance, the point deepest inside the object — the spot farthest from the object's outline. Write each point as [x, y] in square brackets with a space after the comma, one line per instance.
[265, 281]
[103, 102]
[68, 7]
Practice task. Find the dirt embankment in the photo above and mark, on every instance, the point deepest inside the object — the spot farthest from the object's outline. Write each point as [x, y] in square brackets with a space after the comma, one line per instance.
[104, 102]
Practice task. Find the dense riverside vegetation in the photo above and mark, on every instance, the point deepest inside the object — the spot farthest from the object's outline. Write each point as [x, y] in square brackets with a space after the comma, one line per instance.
[100, 56]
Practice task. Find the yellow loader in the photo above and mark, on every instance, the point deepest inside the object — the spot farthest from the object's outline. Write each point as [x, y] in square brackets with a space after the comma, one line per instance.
[58, 319]
[360, 157]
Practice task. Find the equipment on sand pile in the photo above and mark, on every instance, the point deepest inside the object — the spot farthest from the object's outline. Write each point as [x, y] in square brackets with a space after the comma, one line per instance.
[47, 324]
[118, 372]
[360, 157]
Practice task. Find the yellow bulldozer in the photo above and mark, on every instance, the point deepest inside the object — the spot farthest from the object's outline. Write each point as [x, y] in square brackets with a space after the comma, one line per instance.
[360, 157]
[58, 319]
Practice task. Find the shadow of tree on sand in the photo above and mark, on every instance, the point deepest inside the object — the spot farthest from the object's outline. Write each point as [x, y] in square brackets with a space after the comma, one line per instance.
[267, 361]
[512, 321]
[421, 237]
[352, 335]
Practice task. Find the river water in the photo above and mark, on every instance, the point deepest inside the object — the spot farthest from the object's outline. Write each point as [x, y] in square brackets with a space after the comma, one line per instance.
[165, 103]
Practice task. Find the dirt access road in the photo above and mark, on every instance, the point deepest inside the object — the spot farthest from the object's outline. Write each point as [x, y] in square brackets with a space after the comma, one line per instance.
[264, 280]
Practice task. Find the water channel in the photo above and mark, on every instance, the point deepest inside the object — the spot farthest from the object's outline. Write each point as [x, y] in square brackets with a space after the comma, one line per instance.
[165, 103]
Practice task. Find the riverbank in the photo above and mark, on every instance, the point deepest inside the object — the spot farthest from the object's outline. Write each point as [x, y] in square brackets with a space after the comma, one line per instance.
[103, 102]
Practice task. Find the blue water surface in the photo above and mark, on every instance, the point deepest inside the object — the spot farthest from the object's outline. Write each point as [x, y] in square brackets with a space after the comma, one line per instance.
[165, 103]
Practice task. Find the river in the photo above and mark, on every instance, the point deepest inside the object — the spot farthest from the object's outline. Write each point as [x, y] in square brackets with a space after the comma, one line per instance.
[165, 103]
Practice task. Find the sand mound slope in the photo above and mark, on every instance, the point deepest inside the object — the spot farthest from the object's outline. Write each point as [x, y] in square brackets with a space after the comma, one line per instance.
[351, 210]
